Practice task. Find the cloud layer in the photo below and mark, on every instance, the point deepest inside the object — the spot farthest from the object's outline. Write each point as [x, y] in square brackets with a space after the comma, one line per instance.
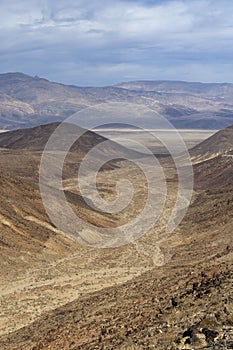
[100, 42]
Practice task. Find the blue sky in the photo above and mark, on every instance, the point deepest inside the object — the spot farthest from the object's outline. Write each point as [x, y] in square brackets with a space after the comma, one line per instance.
[102, 42]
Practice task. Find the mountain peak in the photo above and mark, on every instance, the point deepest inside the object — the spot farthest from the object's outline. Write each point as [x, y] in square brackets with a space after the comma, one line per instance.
[18, 75]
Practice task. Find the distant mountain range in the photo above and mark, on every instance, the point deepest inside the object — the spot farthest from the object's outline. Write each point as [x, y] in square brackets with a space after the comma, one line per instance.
[27, 101]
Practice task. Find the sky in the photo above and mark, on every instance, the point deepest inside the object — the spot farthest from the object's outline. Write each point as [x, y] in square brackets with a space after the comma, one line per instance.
[104, 42]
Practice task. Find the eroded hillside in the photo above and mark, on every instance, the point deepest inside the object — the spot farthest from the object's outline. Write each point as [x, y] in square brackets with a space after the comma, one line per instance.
[163, 292]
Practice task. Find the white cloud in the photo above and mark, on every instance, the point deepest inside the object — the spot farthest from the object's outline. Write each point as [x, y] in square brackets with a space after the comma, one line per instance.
[101, 42]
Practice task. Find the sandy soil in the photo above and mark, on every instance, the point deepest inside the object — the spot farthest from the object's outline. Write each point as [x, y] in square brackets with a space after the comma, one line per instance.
[28, 295]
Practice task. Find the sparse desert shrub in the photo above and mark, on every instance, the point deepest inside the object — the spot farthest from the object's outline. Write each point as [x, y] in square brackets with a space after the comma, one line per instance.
[129, 347]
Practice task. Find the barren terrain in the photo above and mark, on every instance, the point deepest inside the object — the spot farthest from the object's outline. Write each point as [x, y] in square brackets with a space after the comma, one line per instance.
[160, 292]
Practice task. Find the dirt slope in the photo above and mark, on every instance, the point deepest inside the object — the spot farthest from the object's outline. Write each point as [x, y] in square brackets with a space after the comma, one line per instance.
[187, 303]
[219, 144]
[163, 292]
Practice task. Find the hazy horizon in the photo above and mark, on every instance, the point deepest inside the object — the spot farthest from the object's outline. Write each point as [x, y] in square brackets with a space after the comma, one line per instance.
[121, 82]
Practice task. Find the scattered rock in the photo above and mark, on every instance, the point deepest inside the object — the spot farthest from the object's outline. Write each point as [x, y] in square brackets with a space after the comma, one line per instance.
[210, 334]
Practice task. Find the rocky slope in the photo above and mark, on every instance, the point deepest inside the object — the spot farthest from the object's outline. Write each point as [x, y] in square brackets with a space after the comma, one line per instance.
[213, 160]
[163, 292]
[220, 143]
[185, 304]
[35, 139]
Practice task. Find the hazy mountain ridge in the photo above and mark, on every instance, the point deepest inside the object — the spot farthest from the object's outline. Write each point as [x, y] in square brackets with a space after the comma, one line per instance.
[28, 101]
[209, 89]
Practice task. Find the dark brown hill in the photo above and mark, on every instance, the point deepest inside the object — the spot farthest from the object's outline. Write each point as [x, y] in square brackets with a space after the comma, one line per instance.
[220, 143]
[213, 160]
[27, 237]
[35, 139]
